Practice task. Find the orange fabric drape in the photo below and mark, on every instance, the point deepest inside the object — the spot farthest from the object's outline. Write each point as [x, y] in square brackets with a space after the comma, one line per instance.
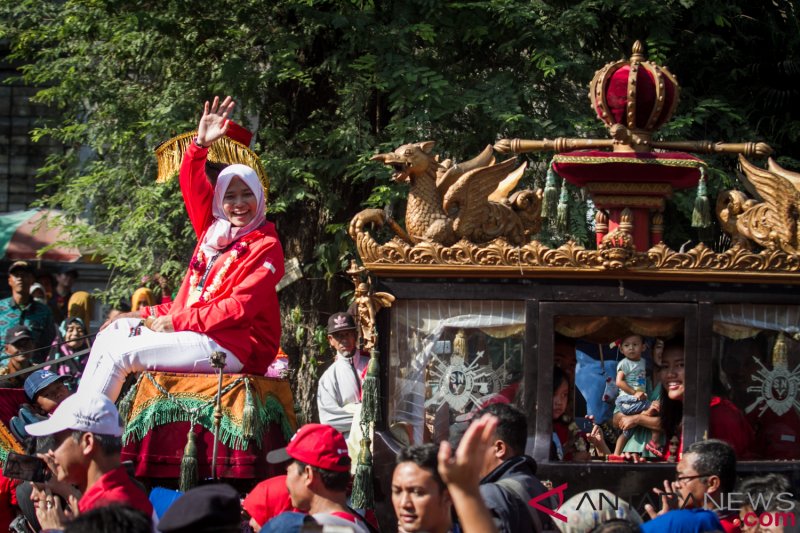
[608, 329]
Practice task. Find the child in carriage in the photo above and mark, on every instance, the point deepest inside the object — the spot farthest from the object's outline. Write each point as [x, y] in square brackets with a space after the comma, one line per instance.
[632, 381]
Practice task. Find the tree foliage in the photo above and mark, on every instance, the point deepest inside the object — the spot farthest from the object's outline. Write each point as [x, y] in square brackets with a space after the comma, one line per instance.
[325, 84]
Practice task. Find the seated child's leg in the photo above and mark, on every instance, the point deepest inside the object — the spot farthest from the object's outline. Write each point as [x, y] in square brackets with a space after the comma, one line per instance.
[621, 441]
[633, 408]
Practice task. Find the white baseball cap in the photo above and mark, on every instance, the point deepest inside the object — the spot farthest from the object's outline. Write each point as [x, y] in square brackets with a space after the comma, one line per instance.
[92, 412]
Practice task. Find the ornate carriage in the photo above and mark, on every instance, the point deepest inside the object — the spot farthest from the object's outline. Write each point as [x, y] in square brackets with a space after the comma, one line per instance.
[483, 311]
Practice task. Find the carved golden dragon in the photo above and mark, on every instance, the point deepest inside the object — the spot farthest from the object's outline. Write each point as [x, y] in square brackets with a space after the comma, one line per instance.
[448, 202]
[770, 220]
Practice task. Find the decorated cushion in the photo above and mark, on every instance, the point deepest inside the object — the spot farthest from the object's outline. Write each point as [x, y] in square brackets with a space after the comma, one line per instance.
[163, 408]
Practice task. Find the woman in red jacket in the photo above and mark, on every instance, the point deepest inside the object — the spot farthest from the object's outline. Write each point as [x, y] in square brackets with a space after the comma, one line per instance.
[227, 301]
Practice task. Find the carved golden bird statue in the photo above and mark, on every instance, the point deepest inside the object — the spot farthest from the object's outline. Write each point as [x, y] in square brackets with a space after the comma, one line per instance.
[769, 220]
[472, 200]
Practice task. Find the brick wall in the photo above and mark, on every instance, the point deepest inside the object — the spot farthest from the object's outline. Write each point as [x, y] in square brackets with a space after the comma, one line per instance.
[20, 157]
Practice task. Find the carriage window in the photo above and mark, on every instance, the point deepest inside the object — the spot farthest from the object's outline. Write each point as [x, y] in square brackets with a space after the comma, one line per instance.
[449, 359]
[589, 352]
[757, 373]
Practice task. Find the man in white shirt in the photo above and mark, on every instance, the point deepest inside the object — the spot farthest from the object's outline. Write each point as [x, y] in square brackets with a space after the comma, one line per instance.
[339, 390]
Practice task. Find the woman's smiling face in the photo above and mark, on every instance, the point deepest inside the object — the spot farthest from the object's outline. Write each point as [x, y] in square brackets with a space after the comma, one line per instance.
[239, 203]
[672, 374]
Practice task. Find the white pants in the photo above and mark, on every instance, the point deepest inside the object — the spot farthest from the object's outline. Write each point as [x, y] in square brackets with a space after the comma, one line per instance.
[116, 353]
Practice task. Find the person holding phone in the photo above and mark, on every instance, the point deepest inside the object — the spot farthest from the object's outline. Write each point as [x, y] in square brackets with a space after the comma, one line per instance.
[86, 441]
[227, 301]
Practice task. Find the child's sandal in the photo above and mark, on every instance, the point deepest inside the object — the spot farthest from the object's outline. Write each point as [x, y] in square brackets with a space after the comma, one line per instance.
[654, 448]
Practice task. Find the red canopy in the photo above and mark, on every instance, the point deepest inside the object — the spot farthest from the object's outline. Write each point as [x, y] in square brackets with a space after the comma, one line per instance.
[679, 169]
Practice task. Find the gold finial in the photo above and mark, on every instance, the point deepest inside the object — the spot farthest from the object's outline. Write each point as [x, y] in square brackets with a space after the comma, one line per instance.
[637, 51]
[626, 220]
[658, 219]
[779, 352]
[460, 344]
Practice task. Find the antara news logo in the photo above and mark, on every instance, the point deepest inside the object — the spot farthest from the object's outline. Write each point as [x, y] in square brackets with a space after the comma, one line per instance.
[782, 503]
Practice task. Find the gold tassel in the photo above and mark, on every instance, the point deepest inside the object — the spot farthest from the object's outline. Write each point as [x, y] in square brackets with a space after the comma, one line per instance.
[189, 468]
[362, 496]
[370, 391]
[169, 155]
[561, 215]
[248, 413]
[701, 214]
[550, 193]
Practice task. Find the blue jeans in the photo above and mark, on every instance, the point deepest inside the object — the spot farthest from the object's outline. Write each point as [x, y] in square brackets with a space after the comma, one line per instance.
[629, 405]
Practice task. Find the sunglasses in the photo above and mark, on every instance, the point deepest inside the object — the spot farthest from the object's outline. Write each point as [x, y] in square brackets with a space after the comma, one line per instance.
[681, 479]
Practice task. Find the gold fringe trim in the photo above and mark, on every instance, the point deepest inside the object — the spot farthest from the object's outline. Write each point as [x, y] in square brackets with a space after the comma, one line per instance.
[8, 443]
[686, 163]
[170, 153]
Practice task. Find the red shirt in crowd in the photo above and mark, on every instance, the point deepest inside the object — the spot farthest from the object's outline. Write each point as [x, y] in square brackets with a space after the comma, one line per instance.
[726, 422]
[115, 487]
[8, 502]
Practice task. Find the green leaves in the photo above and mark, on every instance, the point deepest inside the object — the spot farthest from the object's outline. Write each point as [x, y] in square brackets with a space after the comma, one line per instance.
[327, 84]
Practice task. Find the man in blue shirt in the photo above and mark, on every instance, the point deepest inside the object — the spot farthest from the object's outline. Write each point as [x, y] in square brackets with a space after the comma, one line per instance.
[704, 475]
[20, 309]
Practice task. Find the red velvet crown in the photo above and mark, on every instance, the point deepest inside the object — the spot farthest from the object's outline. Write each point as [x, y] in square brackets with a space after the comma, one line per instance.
[635, 93]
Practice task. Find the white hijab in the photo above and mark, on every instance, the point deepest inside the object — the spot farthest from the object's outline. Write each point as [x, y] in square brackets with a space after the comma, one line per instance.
[221, 233]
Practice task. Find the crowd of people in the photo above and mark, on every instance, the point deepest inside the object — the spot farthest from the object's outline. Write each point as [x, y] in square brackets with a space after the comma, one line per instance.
[480, 480]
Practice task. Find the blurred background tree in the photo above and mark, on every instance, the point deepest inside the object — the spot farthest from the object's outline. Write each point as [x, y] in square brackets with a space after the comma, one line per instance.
[326, 84]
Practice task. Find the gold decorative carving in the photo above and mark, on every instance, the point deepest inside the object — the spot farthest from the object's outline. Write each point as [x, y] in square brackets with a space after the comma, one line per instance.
[629, 187]
[617, 248]
[448, 202]
[646, 202]
[626, 220]
[498, 258]
[367, 303]
[657, 223]
[627, 136]
[561, 144]
[771, 223]
[601, 222]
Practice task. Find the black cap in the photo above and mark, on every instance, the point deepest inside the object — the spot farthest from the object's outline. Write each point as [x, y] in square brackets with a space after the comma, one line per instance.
[340, 322]
[18, 333]
[20, 265]
[206, 508]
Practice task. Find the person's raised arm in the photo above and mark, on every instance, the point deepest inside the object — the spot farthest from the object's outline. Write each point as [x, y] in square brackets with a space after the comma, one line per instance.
[461, 472]
[197, 191]
[214, 122]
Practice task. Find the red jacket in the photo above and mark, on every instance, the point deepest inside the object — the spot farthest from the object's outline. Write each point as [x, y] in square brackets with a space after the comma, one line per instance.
[243, 314]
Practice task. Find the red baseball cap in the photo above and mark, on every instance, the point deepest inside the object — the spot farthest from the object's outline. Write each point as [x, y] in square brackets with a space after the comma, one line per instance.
[268, 499]
[317, 445]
